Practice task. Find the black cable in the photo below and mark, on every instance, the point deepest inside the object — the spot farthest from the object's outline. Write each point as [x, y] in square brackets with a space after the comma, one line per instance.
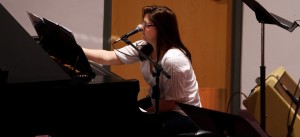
[235, 93]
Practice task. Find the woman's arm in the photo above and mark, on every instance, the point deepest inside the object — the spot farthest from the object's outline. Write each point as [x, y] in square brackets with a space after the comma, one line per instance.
[102, 56]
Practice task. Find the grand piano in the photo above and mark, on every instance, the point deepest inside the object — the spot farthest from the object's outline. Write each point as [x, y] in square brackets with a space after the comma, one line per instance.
[48, 87]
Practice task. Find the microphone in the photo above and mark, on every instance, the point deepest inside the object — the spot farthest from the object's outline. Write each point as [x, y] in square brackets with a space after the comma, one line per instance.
[136, 30]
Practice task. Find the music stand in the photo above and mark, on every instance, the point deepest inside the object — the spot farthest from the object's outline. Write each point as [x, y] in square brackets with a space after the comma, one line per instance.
[265, 17]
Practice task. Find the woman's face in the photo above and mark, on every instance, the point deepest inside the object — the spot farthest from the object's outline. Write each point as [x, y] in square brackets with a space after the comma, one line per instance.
[149, 30]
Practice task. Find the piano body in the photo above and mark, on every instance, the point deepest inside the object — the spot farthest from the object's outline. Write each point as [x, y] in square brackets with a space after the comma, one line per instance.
[54, 90]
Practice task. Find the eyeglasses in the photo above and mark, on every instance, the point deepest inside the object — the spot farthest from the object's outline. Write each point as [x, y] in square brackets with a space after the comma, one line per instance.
[147, 25]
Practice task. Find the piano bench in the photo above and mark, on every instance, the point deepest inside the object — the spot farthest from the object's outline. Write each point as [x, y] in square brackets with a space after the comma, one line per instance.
[199, 133]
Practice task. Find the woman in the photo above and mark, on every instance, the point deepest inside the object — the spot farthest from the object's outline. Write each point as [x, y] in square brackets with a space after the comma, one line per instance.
[161, 43]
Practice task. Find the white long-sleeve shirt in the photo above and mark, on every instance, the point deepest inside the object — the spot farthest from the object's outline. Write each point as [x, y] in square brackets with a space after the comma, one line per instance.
[181, 87]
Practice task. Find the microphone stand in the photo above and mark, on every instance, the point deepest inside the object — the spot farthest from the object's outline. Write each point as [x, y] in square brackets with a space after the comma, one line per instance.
[262, 78]
[290, 128]
[158, 70]
[297, 102]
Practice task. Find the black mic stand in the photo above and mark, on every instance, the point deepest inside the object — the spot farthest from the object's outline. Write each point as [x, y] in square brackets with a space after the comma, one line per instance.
[297, 103]
[158, 70]
[291, 126]
[263, 16]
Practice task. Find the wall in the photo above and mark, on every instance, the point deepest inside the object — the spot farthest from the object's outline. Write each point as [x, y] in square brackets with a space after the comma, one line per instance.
[205, 27]
[85, 19]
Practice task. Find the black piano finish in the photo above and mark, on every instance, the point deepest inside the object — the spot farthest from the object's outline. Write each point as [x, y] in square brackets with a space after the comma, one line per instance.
[106, 107]
[39, 97]
[223, 124]
[89, 109]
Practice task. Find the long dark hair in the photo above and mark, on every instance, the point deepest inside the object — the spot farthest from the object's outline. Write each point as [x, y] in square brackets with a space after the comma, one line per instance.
[167, 30]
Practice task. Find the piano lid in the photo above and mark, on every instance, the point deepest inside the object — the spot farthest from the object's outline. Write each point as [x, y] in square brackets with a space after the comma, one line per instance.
[24, 59]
